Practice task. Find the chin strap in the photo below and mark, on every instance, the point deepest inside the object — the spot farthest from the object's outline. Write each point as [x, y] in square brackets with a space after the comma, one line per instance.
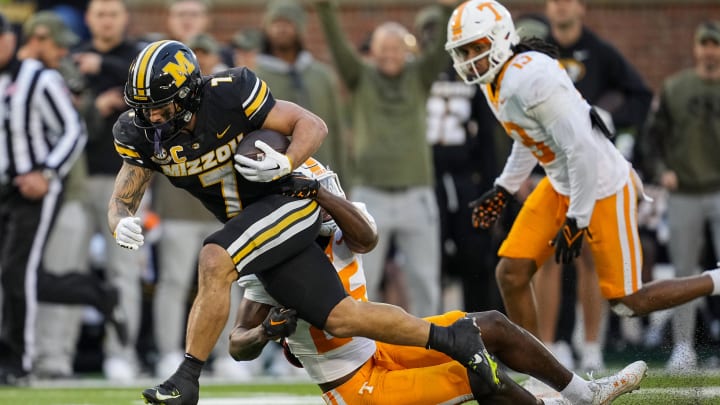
[156, 141]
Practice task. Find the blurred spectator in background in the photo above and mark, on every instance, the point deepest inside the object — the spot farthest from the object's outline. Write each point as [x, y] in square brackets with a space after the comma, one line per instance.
[72, 12]
[245, 45]
[681, 146]
[532, 26]
[187, 18]
[607, 81]
[391, 160]
[47, 39]
[461, 128]
[602, 75]
[41, 136]
[104, 61]
[295, 75]
[207, 51]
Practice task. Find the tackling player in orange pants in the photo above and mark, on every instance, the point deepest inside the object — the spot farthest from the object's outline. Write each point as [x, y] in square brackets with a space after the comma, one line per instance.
[362, 371]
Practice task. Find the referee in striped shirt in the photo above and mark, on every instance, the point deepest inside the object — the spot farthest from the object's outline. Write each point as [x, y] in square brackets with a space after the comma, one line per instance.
[41, 135]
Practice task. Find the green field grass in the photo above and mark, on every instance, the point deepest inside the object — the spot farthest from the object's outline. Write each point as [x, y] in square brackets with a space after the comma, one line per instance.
[131, 395]
[656, 389]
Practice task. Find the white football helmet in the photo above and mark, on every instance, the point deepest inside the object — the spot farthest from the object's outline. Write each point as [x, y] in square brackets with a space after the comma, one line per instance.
[475, 20]
[329, 180]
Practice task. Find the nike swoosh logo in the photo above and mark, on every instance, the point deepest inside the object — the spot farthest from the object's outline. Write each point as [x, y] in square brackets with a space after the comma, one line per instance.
[162, 397]
[220, 135]
[273, 323]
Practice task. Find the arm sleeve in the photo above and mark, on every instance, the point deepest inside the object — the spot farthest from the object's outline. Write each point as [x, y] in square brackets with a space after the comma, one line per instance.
[347, 61]
[567, 120]
[57, 111]
[518, 167]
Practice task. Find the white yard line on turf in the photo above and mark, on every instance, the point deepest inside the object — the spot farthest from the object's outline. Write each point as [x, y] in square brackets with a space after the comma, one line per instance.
[692, 392]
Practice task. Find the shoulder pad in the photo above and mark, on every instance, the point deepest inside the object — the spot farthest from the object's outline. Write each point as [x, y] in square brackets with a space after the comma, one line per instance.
[129, 139]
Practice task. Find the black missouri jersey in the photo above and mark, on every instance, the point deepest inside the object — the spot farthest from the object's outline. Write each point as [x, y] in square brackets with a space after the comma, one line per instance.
[234, 102]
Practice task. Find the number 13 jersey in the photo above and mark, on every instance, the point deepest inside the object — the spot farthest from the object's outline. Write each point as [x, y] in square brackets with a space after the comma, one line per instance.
[549, 122]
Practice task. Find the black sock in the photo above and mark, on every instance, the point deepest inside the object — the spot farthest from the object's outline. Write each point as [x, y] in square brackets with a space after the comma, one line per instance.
[191, 367]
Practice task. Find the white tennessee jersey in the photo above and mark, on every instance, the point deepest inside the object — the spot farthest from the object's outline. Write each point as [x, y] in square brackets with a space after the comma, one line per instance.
[325, 357]
[549, 122]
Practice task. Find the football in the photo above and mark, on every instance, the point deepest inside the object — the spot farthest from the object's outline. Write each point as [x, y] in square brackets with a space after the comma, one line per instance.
[276, 140]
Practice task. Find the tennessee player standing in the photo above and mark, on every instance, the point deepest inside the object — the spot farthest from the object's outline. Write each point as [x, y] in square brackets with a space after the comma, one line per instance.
[187, 127]
[590, 191]
[359, 370]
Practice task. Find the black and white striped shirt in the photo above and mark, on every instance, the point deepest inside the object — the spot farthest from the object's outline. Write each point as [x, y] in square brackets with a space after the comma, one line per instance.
[39, 126]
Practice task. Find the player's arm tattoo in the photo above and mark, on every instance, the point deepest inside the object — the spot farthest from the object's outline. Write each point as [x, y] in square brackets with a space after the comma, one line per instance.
[130, 185]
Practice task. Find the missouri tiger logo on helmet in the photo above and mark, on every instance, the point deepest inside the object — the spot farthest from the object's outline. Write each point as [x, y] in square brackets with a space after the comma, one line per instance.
[486, 21]
[164, 72]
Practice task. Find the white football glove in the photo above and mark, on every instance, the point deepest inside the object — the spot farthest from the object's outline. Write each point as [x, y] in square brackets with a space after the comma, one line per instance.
[274, 166]
[128, 233]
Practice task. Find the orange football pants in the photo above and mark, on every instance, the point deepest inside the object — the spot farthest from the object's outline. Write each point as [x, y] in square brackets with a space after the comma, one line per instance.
[614, 239]
[404, 375]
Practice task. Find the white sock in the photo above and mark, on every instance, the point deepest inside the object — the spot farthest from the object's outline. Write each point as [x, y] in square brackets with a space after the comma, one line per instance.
[577, 391]
[591, 346]
[715, 275]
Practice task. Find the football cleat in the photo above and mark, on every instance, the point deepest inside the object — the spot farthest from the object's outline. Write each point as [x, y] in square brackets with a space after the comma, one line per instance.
[606, 389]
[168, 393]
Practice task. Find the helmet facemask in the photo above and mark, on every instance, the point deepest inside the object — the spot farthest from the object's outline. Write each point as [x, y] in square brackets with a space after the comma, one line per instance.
[467, 68]
[168, 129]
[328, 180]
[331, 182]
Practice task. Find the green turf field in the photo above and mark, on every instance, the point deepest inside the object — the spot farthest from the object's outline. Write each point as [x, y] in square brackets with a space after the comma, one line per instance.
[656, 389]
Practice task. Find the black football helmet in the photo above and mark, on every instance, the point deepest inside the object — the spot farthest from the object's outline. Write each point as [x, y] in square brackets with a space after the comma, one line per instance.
[164, 72]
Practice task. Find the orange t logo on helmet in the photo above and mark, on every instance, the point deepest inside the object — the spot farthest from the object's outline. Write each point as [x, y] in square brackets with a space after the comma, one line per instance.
[457, 17]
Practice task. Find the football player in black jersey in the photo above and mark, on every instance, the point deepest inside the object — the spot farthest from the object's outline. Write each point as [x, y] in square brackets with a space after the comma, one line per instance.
[187, 127]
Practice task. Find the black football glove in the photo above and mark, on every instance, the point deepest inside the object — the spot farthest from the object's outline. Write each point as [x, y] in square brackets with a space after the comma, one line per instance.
[488, 207]
[568, 241]
[280, 323]
[298, 186]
